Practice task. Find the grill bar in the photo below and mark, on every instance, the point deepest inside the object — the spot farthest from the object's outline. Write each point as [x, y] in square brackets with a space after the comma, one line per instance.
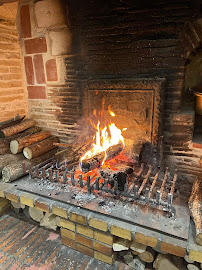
[142, 187]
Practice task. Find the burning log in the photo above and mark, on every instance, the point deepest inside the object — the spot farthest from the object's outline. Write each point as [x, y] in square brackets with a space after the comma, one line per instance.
[17, 145]
[40, 148]
[5, 143]
[13, 171]
[9, 131]
[195, 206]
[96, 161]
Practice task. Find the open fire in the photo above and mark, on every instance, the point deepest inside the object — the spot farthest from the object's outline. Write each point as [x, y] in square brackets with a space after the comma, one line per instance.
[104, 138]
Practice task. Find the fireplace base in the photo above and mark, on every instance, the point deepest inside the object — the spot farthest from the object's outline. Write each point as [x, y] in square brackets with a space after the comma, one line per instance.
[96, 226]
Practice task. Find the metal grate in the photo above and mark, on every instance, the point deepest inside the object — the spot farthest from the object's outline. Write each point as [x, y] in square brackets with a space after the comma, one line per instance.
[145, 187]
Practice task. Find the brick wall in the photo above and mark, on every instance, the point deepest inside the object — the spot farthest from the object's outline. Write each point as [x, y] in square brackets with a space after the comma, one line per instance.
[13, 97]
[61, 50]
[45, 42]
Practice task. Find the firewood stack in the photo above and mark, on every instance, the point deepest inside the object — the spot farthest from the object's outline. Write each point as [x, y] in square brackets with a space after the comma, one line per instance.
[195, 206]
[22, 141]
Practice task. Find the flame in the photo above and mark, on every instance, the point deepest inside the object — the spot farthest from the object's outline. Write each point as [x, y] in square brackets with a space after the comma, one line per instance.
[110, 111]
[103, 141]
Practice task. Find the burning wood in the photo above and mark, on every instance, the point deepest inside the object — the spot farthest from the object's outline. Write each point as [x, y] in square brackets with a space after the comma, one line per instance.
[97, 160]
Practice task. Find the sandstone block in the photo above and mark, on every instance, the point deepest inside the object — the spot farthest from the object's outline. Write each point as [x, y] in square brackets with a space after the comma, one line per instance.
[121, 244]
[50, 13]
[61, 41]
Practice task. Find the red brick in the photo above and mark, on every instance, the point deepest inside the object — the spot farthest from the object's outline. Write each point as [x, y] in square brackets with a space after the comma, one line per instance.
[84, 240]
[85, 250]
[102, 248]
[39, 68]
[29, 70]
[67, 242]
[25, 22]
[36, 92]
[197, 145]
[35, 45]
[51, 70]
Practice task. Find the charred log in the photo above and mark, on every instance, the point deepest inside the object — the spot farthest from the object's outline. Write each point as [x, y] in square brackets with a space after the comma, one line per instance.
[96, 161]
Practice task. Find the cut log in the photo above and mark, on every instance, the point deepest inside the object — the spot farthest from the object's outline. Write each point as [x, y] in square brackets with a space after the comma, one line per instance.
[96, 161]
[40, 148]
[9, 159]
[9, 131]
[4, 147]
[5, 142]
[138, 247]
[17, 145]
[14, 171]
[11, 122]
[192, 267]
[147, 256]
[195, 206]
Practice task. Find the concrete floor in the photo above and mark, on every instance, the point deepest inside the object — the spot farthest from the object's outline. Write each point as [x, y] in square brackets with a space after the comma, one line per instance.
[25, 245]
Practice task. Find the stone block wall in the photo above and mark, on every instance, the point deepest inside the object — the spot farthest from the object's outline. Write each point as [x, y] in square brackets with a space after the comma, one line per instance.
[46, 41]
[13, 97]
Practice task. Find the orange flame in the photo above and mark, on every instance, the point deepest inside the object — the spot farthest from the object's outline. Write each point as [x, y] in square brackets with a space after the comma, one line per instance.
[104, 141]
[110, 111]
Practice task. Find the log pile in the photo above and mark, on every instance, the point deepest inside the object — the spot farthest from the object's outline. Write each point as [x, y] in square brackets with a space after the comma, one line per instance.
[195, 206]
[22, 141]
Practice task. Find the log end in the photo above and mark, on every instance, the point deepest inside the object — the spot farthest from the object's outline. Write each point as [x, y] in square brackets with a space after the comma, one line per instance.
[14, 147]
[27, 153]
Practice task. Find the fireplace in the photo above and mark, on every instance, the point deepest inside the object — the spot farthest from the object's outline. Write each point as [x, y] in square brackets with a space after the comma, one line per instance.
[91, 64]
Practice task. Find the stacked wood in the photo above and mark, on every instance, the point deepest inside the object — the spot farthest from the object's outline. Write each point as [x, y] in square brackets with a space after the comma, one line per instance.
[17, 145]
[148, 255]
[9, 159]
[96, 160]
[5, 142]
[40, 148]
[11, 122]
[11, 130]
[195, 206]
[14, 171]
[4, 147]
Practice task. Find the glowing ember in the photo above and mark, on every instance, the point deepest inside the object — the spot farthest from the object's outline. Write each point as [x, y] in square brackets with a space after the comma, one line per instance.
[104, 139]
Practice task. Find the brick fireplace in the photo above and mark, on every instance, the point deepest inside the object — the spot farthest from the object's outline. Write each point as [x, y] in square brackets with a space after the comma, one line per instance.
[143, 60]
